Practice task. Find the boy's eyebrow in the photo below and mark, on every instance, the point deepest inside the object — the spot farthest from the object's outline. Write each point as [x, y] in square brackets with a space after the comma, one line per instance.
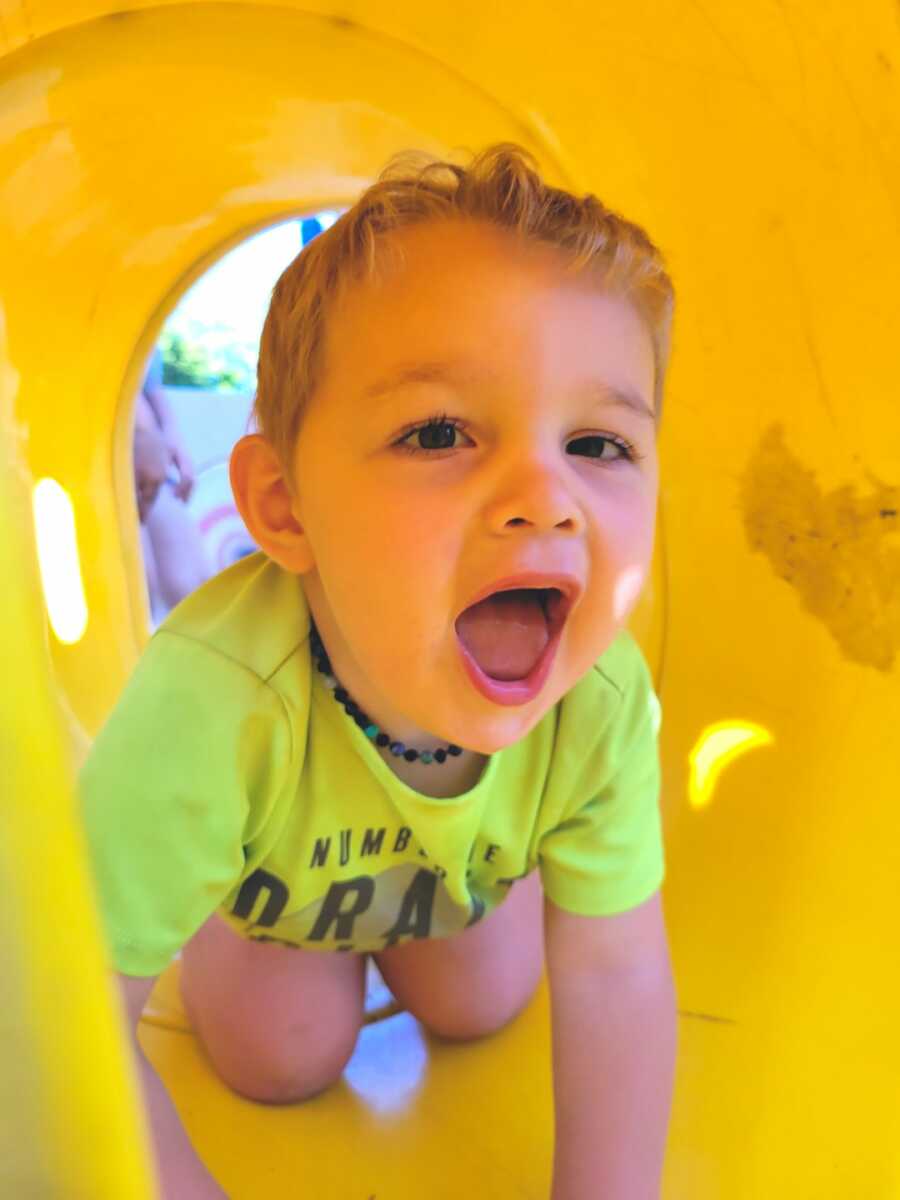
[445, 372]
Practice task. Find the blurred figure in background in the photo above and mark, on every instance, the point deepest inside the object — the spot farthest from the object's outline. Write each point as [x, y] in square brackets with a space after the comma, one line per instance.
[174, 557]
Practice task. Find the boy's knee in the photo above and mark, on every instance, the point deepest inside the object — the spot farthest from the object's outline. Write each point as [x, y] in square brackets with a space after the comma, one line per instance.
[286, 1082]
[467, 1023]
[468, 1027]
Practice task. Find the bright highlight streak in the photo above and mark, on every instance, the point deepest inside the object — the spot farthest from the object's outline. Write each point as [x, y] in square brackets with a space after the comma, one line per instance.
[627, 590]
[717, 747]
[57, 550]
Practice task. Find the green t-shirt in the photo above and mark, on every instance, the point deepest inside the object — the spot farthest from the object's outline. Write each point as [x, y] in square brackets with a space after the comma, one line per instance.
[227, 778]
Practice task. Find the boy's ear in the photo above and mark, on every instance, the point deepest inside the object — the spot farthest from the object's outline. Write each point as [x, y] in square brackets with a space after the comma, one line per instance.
[265, 502]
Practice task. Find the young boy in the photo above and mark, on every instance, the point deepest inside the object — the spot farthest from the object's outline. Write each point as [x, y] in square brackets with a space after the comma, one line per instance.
[415, 726]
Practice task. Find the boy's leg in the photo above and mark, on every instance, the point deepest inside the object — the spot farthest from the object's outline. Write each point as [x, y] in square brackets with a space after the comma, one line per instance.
[154, 600]
[279, 1024]
[475, 982]
[177, 546]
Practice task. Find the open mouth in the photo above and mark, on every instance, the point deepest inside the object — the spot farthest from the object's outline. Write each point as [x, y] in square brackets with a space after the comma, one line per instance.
[556, 607]
[507, 632]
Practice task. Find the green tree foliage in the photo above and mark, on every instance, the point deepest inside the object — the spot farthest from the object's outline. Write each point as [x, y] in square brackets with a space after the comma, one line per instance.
[195, 358]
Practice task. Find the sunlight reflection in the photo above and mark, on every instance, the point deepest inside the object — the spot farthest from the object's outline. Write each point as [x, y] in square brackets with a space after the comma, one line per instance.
[389, 1063]
[717, 747]
[57, 550]
[627, 590]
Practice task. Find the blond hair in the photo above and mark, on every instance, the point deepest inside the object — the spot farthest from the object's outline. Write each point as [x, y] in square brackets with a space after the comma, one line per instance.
[501, 186]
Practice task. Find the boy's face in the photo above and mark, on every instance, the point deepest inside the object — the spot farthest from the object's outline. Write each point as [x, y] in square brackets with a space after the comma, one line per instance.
[399, 544]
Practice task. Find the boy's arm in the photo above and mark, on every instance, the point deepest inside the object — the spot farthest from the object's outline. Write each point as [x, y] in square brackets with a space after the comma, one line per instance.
[613, 1014]
[180, 1172]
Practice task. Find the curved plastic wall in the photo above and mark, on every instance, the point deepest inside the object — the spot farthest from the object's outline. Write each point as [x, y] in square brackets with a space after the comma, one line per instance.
[760, 148]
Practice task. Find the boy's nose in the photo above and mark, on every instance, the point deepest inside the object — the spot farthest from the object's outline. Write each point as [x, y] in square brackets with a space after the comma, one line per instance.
[535, 494]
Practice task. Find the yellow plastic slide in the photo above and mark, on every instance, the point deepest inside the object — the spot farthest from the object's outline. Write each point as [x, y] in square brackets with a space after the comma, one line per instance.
[760, 145]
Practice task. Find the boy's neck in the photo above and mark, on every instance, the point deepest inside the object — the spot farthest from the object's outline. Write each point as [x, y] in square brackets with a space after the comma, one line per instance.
[443, 780]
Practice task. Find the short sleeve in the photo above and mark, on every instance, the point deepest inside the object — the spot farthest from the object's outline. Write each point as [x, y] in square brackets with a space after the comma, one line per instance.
[194, 747]
[607, 855]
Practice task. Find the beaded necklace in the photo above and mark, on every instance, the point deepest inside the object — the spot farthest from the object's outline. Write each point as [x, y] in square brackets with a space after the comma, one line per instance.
[369, 728]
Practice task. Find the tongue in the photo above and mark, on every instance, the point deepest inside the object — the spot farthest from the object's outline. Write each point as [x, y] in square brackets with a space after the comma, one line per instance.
[506, 633]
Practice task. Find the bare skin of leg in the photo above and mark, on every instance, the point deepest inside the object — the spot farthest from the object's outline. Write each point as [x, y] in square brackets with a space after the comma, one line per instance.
[280, 1024]
[152, 576]
[473, 984]
[177, 548]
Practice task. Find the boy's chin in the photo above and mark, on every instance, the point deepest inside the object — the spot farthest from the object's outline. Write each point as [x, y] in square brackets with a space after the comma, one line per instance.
[508, 729]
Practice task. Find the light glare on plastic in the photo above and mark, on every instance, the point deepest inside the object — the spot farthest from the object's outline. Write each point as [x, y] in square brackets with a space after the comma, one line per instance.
[717, 747]
[57, 550]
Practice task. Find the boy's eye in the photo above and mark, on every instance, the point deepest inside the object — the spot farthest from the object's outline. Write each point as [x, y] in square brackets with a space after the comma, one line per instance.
[439, 433]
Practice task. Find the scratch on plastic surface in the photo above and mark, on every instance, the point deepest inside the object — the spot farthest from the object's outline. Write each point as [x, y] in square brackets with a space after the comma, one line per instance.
[803, 132]
[838, 550]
